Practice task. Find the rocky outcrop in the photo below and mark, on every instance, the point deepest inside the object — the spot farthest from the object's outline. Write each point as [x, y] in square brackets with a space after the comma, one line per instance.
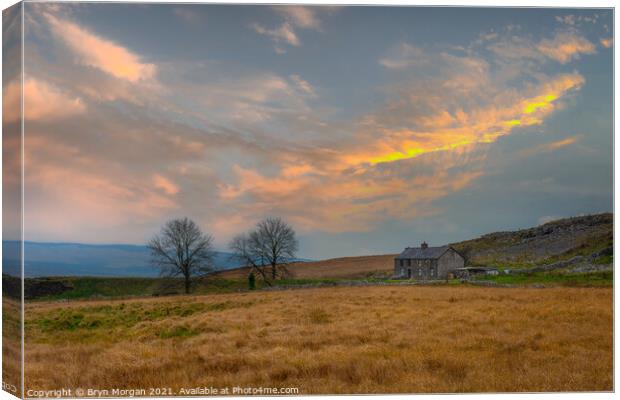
[558, 265]
[575, 264]
[607, 251]
[587, 267]
[561, 239]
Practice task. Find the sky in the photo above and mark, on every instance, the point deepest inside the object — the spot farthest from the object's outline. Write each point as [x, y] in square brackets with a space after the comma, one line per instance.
[368, 129]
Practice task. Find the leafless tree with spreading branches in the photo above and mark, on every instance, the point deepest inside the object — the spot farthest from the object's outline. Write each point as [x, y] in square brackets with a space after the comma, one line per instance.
[245, 252]
[271, 244]
[181, 249]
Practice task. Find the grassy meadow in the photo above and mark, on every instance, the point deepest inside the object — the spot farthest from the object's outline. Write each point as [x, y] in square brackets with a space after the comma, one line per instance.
[377, 339]
[11, 345]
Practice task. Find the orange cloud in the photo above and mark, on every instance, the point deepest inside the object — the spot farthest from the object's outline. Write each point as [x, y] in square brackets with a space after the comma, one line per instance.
[251, 181]
[445, 131]
[566, 46]
[292, 171]
[165, 184]
[41, 101]
[560, 143]
[341, 202]
[548, 147]
[607, 42]
[357, 185]
[107, 200]
[100, 53]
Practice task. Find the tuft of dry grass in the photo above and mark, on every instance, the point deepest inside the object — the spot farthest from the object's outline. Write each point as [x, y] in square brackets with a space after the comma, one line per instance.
[409, 339]
[318, 316]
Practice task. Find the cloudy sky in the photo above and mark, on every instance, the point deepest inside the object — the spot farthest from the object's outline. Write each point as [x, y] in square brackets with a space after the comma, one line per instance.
[367, 128]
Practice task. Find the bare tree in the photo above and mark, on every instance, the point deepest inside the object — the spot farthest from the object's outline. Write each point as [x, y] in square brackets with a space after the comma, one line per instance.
[247, 253]
[181, 249]
[277, 242]
[272, 243]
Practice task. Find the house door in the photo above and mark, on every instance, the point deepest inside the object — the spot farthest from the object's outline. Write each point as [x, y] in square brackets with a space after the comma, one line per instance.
[409, 273]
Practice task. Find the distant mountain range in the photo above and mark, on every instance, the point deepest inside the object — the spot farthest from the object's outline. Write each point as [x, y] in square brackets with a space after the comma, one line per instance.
[75, 259]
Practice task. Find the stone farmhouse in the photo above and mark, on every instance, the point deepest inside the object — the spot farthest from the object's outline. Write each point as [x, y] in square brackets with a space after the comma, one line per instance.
[427, 263]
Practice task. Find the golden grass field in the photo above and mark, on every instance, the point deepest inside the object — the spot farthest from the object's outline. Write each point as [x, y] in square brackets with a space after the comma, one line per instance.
[376, 339]
[11, 345]
[344, 267]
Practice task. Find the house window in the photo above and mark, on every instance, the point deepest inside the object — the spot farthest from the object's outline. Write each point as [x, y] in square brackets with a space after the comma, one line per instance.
[409, 273]
[409, 262]
[402, 263]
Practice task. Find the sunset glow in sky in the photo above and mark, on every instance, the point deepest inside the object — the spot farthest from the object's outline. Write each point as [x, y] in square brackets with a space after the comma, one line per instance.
[367, 128]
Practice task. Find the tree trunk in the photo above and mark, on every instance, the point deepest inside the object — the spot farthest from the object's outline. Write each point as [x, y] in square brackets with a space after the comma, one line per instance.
[187, 284]
[273, 271]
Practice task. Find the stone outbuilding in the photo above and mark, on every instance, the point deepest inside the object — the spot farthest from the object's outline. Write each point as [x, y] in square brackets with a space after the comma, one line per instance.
[427, 263]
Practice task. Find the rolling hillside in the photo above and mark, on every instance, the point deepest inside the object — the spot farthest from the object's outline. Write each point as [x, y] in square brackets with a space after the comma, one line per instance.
[554, 241]
[551, 242]
[344, 267]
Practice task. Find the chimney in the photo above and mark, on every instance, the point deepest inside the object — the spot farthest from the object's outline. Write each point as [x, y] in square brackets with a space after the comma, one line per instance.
[424, 245]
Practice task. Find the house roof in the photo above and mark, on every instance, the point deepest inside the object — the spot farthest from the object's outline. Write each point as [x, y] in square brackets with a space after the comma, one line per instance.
[420, 253]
